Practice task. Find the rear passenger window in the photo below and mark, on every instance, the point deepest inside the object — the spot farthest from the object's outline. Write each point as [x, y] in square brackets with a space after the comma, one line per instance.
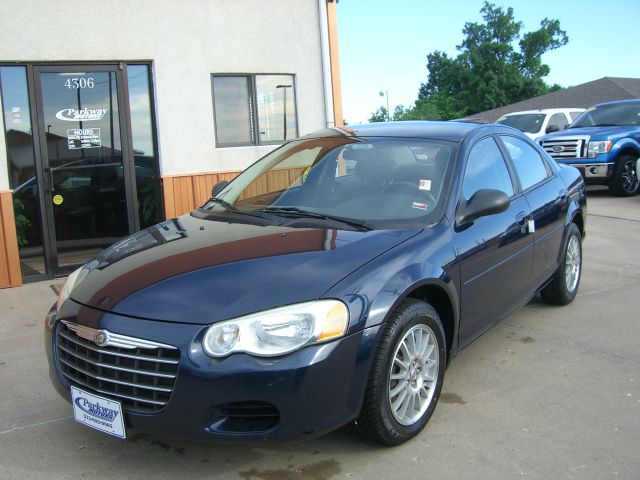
[558, 119]
[526, 160]
[486, 169]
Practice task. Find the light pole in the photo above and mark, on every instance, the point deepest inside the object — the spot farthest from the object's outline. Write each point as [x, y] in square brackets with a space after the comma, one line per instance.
[384, 93]
[284, 98]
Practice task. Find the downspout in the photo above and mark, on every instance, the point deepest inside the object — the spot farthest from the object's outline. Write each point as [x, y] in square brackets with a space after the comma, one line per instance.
[334, 58]
[326, 63]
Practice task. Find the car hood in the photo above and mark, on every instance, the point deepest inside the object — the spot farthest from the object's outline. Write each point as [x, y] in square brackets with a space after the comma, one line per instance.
[201, 271]
[600, 132]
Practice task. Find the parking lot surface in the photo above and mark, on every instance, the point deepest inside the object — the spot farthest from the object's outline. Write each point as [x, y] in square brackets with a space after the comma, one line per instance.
[550, 393]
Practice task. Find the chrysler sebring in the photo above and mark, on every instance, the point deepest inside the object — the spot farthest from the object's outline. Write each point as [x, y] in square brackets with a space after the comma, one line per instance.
[331, 282]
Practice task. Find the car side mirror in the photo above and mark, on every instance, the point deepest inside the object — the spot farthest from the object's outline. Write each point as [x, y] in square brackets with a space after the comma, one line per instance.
[482, 203]
[218, 187]
[553, 128]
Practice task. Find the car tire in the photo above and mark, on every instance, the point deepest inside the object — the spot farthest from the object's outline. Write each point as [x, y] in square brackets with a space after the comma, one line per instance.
[398, 366]
[565, 281]
[624, 181]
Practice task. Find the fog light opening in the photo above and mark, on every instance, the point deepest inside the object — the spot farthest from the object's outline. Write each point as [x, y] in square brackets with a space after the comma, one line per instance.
[594, 170]
[243, 417]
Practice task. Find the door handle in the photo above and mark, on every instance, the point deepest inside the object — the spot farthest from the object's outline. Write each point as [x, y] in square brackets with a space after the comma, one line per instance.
[521, 218]
[49, 170]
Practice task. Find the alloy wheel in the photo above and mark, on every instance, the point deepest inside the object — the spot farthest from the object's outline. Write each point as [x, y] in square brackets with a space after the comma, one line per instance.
[413, 375]
[629, 176]
[572, 264]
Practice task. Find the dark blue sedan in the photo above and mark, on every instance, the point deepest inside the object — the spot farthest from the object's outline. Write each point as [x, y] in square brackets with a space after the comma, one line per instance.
[331, 282]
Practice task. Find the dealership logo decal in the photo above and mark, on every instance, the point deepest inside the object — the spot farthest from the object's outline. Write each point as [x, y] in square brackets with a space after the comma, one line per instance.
[96, 410]
[84, 114]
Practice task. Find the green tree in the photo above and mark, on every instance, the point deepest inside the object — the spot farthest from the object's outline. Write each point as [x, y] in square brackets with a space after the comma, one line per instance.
[424, 109]
[380, 115]
[489, 72]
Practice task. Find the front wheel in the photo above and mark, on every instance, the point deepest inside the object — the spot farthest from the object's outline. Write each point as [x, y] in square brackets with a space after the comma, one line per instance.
[406, 376]
[624, 181]
[565, 281]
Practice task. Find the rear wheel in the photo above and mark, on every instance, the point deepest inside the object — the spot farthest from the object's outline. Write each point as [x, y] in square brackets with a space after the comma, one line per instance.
[624, 181]
[406, 376]
[564, 283]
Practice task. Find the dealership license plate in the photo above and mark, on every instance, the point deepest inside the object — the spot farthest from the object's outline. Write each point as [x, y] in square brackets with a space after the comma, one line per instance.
[98, 412]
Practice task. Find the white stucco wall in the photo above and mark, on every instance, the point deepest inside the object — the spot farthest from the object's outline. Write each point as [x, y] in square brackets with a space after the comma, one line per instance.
[187, 40]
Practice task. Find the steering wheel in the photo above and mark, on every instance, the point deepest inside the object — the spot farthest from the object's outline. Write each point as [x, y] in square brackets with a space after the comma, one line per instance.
[409, 188]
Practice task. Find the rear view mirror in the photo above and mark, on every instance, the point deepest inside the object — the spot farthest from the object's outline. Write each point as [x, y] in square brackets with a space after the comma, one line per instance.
[218, 187]
[483, 203]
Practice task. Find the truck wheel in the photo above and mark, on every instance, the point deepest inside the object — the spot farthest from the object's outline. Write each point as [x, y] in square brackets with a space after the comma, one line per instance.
[624, 181]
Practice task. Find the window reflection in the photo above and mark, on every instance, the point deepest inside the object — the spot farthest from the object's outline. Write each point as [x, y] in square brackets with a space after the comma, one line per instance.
[275, 96]
[232, 108]
[144, 149]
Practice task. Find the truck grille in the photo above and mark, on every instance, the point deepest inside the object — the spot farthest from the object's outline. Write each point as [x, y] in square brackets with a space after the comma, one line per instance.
[141, 378]
[565, 148]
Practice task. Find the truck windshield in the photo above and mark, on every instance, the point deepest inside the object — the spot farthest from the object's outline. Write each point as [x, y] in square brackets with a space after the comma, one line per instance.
[526, 122]
[613, 114]
[380, 182]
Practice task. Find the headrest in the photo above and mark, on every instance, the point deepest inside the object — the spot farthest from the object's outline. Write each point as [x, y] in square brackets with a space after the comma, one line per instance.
[373, 167]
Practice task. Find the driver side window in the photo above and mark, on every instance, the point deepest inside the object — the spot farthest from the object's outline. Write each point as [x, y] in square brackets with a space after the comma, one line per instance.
[486, 168]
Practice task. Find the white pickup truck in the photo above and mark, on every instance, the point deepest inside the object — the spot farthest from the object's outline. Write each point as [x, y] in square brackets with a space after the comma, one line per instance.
[535, 123]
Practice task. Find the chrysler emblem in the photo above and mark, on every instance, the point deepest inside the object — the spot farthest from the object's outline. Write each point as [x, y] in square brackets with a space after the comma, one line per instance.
[101, 338]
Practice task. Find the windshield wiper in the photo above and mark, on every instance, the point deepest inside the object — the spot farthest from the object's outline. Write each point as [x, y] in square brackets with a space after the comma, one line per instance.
[228, 206]
[233, 209]
[296, 212]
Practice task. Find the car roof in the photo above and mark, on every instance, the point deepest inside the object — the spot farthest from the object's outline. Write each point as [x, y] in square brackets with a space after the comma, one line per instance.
[450, 131]
[546, 110]
[629, 100]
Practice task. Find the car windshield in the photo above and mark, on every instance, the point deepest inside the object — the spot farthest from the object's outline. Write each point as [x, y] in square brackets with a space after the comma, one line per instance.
[527, 122]
[613, 114]
[371, 182]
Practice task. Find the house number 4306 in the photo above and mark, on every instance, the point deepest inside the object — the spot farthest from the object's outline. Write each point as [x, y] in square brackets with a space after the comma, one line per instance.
[82, 82]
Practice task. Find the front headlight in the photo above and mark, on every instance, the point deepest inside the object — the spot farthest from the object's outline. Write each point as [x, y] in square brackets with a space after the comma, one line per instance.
[278, 331]
[599, 147]
[69, 284]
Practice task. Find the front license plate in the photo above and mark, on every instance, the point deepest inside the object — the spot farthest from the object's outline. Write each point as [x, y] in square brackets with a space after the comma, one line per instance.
[98, 412]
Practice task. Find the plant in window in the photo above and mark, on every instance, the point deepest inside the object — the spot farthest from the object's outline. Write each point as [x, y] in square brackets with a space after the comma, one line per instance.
[22, 222]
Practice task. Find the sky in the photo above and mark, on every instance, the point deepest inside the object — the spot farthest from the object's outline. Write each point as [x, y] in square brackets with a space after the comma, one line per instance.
[384, 43]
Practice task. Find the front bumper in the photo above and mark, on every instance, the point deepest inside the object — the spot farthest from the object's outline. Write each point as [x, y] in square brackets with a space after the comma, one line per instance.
[314, 390]
[592, 172]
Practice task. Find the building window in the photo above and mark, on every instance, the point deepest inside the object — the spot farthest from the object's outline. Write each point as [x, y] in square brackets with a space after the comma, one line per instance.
[143, 139]
[22, 168]
[254, 109]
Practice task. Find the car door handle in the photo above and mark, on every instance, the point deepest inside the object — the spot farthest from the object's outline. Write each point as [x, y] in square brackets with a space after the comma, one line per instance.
[521, 218]
[49, 170]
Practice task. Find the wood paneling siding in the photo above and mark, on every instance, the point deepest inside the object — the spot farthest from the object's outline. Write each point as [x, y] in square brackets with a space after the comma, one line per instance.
[183, 193]
[10, 274]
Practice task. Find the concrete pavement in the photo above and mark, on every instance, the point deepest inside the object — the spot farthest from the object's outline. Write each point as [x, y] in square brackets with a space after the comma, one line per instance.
[550, 393]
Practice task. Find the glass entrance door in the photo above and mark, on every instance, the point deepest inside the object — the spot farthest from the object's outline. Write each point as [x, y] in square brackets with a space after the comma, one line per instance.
[85, 164]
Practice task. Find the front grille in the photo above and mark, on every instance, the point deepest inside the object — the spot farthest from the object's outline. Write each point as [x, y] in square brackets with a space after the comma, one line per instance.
[565, 148]
[141, 378]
